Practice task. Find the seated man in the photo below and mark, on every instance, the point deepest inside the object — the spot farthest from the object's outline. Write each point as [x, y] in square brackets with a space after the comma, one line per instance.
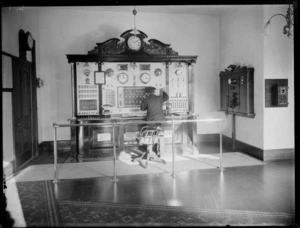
[154, 106]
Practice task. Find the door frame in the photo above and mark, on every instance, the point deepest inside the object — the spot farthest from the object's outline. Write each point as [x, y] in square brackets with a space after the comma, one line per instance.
[33, 117]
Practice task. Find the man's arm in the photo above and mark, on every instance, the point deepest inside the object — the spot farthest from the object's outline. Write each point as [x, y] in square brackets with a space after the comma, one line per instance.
[165, 96]
[144, 105]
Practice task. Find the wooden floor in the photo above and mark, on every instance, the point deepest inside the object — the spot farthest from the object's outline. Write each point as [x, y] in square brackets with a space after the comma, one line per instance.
[263, 188]
[269, 187]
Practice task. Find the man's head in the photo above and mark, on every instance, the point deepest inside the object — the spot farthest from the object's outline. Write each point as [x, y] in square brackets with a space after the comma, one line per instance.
[150, 89]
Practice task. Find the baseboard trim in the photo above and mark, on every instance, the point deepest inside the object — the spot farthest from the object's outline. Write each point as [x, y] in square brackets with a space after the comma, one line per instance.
[49, 145]
[199, 138]
[276, 154]
[263, 155]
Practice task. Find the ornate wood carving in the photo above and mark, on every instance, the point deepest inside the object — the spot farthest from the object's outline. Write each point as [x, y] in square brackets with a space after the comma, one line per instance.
[116, 50]
[114, 46]
[155, 47]
[109, 47]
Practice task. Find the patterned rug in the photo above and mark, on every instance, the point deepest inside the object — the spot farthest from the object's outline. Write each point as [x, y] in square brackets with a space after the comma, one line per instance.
[41, 209]
[39, 205]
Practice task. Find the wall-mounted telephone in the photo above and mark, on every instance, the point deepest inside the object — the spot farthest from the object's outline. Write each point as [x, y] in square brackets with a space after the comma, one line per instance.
[279, 95]
[276, 93]
[233, 93]
[237, 92]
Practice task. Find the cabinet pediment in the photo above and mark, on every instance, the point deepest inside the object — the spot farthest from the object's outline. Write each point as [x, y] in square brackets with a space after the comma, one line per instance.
[117, 46]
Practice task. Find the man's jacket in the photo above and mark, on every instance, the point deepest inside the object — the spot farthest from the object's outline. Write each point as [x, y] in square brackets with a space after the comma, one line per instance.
[154, 106]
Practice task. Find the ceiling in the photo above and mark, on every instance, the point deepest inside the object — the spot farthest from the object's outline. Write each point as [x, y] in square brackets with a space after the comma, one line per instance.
[169, 9]
[176, 9]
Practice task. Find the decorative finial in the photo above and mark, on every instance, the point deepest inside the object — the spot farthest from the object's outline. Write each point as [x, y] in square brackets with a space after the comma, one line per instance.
[134, 30]
[134, 12]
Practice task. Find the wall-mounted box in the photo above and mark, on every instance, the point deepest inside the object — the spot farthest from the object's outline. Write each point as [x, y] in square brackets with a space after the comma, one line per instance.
[237, 92]
[276, 93]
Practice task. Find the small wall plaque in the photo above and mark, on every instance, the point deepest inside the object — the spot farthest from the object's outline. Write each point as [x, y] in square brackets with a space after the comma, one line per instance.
[104, 137]
[99, 77]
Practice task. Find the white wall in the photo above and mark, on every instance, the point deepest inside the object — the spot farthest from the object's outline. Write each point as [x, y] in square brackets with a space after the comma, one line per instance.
[279, 123]
[67, 31]
[234, 38]
[241, 43]
[14, 19]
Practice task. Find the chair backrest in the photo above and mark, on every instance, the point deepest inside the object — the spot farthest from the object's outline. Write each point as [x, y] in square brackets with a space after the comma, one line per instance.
[148, 135]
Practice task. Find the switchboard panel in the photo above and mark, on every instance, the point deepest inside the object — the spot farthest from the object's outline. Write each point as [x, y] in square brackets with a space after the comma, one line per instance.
[178, 87]
[126, 81]
[108, 86]
[237, 91]
[87, 92]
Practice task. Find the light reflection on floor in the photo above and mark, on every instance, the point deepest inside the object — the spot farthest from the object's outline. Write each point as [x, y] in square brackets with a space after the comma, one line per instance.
[13, 203]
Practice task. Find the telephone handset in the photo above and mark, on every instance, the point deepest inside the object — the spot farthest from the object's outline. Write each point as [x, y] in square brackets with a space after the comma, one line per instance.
[233, 93]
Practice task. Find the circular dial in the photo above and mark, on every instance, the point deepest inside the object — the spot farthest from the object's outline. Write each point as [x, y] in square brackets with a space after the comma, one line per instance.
[178, 72]
[29, 41]
[123, 78]
[145, 78]
[109, 72]
[134, 43]
[157, 72]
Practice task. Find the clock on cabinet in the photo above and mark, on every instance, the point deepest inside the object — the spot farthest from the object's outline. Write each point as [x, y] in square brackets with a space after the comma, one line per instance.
[134, 43]
[28, 41]
[26, 45]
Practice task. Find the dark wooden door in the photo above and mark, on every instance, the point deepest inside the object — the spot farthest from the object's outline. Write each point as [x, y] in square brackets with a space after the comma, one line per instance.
[22, 108]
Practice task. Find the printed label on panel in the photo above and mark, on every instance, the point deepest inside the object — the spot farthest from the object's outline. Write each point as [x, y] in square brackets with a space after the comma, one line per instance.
[103, 137]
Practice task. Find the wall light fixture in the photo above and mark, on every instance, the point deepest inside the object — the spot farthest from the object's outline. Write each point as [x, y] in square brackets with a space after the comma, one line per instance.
[288, 29]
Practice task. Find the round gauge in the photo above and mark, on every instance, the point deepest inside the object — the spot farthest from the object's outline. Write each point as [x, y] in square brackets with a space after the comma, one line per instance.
[157, 72]
[86, 72]
[178, 72]
[282, 90]
[109, 72]
[145, 78]
[123, 78]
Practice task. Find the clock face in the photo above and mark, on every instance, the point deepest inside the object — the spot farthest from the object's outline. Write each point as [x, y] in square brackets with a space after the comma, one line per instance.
[145, 78]
[29, 40]
[123, 78]
[134, 43]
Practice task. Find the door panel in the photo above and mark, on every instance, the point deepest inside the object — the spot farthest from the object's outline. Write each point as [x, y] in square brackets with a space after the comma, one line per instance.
[22, 106]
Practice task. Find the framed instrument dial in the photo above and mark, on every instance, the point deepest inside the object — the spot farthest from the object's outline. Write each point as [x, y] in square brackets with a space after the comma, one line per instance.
[123, 78]
[157, 72]
[145, 78]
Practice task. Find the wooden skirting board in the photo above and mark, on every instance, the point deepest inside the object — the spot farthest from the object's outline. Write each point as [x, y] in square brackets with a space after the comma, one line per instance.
[264, 155]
